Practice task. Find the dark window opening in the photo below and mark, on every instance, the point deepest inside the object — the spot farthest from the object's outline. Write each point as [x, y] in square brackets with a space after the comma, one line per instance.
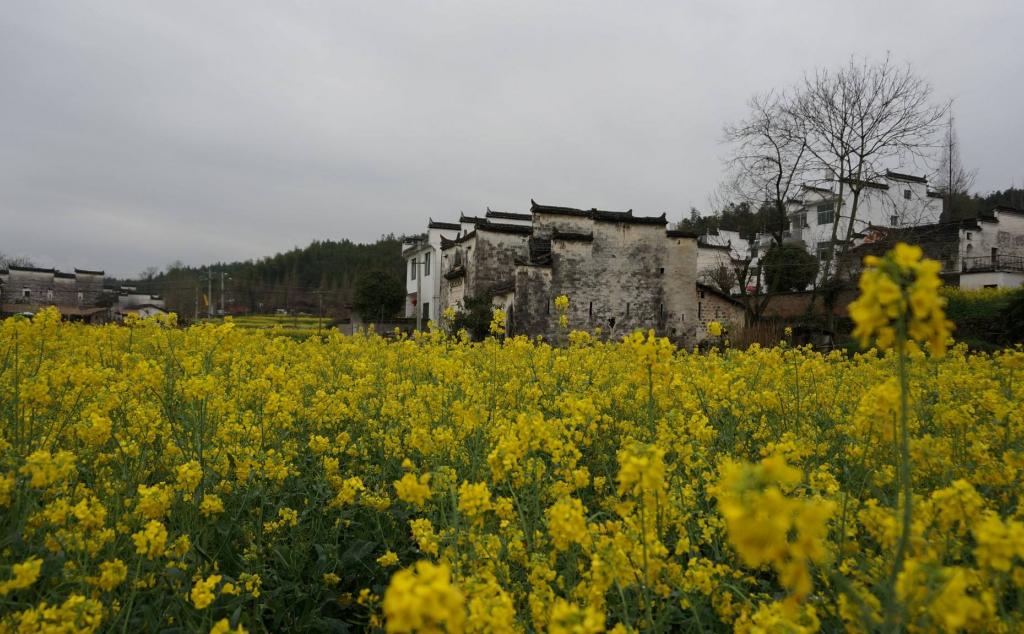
[906, 194]
[826, 214]
[627, 309]
[661, 271]
[590, 311]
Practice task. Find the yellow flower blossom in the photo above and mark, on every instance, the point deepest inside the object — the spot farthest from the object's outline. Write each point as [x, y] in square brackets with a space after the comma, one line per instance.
[423, 599]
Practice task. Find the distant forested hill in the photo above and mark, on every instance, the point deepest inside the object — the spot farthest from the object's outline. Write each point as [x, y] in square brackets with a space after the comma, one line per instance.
[294, 280]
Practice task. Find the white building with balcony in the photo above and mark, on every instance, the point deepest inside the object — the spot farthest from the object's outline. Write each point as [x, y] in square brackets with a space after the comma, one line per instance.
[896, 200]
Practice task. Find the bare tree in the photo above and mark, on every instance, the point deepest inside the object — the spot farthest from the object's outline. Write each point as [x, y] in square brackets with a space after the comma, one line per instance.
[769, 157]
[721, 276]
[768, 162]
[861, 120]
[954, 180]
[14, 260]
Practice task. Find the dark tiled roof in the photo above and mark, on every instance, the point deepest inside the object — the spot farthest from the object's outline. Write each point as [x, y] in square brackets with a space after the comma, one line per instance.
[1007, 209]
[873, 185]
[942, 232]
[434, 224]
[557, 211]
[721, 247]
[822, 190]
[905, 177]
[473, 219]
[66, 276]
[570, 236]
[936, 195]
[88, 272]
[468, 236]
[500, 288]
[598, 214]
[506, 215]
[504, 228]
[447, 244]
[714, 291]
[30, 269]
[455, 272]
[679, 233]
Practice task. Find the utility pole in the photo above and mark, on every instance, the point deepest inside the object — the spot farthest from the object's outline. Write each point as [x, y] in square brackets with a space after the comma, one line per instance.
[419, 294]
[222, 275]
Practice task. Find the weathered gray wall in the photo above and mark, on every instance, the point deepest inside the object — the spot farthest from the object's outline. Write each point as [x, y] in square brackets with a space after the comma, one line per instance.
[494, 261]
[631, 276]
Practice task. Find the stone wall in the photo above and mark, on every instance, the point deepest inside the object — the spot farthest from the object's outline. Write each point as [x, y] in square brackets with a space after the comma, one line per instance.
[493, 264]
[713, 306]
[619, 276]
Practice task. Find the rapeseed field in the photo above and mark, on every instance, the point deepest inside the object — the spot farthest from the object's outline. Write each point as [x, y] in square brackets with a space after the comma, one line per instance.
[215, 479]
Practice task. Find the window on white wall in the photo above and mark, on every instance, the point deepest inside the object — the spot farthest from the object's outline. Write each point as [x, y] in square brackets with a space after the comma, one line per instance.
[826, 214]
[906, 194]
[412, 269]
[426, 263]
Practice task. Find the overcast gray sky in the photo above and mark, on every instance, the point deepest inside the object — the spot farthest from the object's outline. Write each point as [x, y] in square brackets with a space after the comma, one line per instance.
[136, 133]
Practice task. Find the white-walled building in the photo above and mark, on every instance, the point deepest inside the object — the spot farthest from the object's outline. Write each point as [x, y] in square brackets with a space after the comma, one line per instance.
[899, 200]
[131, 302]
[717, 249]
[422, 271]
[896, 200]
[423, 258]
[992, 256]
[986, 251]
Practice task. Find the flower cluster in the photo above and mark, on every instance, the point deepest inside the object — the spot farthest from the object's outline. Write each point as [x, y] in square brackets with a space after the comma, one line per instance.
[900, 300]
[215, 479]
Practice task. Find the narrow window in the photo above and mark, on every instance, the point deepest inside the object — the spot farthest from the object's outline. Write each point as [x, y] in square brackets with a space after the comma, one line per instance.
[826, 214]
[700, 311]
[590, 311]
[627, 309]
[26, 292]
[661, 271]
[426, 263]
[894, 220]
[412, 269]
[906, 194]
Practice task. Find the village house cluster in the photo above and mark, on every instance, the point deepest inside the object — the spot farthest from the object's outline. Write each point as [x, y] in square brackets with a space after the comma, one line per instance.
[623, 271]
[78, 296]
